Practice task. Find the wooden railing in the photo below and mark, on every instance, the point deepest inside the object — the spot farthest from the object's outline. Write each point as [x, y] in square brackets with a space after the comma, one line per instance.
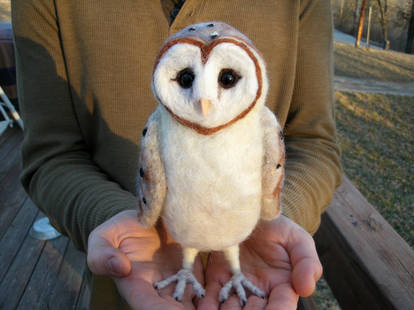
[366, 263]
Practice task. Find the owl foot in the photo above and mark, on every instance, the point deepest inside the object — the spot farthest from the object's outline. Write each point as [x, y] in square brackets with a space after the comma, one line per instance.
[182, 277]
[237, 282]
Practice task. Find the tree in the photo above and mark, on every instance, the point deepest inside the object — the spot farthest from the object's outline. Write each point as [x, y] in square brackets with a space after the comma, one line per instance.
[383, 8]
[410, 31]
[361, 23]
[356, 19]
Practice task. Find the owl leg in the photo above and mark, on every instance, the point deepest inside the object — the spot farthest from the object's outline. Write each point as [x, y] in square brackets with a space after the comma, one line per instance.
[184, 276]
[239, 280]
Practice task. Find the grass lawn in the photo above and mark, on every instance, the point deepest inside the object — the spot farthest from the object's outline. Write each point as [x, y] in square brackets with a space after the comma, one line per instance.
[5, 11]
[373, 64]
[376, 134]
[324, 298]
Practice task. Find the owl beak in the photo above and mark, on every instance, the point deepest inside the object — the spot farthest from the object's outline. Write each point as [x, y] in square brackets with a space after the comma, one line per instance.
[205, 106]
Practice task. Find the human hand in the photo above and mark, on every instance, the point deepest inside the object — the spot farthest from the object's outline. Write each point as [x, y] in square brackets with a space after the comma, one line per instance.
[136, 257]
[279, 257]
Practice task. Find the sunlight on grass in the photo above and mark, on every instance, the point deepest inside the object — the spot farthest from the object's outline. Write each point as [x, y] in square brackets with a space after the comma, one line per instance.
[373, 64]
[323, 296]
[376, 137]
[5, 11]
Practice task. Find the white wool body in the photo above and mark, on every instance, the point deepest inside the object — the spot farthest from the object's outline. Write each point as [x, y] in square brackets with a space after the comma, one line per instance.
[212, 159]
[214, 181]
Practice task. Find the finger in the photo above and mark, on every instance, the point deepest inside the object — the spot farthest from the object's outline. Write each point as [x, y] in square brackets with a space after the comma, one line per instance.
[255, 303]
[307, 268]
[282, 297]
[232, 303]
[188, 304]
[140, 294]
[217, 274]
[210, 300]
[186, 300]
[104, 259]
[305, 275]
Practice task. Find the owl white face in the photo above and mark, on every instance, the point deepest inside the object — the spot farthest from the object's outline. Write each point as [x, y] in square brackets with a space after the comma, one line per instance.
[207, 90]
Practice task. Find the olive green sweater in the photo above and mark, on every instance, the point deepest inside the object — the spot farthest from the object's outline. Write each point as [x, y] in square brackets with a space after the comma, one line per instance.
[84, 72]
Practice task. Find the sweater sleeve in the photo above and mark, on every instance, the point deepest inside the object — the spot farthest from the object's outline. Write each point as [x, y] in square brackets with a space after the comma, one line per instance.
[313, 168]
[58, 171]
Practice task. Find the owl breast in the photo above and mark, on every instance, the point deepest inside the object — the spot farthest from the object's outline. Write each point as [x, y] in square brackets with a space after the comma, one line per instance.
[214, 182]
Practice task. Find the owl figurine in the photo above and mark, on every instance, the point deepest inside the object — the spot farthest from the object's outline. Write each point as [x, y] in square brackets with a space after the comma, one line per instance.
[212, 155]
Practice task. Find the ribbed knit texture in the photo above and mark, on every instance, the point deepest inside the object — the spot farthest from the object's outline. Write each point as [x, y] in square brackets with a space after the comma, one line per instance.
[84, 72]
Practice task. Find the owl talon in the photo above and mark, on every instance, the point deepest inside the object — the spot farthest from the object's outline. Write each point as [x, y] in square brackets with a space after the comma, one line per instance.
[238, 282]
[182, 277]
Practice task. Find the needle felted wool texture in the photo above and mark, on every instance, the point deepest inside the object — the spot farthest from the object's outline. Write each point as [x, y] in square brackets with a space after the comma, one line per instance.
[217, 150]
[214, 177]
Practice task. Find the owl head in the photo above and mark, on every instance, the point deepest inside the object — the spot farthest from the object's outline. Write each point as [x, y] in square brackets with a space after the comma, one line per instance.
[208, 76]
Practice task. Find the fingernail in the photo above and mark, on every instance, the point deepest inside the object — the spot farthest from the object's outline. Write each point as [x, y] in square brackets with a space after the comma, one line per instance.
[113, 267]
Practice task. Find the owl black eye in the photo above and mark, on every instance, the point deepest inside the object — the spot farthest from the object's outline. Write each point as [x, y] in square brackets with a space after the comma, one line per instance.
[185, 78]
[228, 78]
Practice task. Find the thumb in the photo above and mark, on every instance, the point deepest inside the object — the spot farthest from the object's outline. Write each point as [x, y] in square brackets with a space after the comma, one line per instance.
[104, 259]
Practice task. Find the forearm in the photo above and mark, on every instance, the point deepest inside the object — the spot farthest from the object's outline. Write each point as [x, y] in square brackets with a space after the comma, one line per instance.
[313, 171]
[58, 170]
[76, 195]
[313, 168]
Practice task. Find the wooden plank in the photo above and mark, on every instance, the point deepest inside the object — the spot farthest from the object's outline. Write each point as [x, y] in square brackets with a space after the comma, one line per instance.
[9, 139]
[45, 275]
[9, 160]
[306, 304]
[12, 240]
[33, 273]
[5, 139]
[12, 197]
[68, 287]
[366, 263]
[10, 153]
[85, 295]
[14, 282]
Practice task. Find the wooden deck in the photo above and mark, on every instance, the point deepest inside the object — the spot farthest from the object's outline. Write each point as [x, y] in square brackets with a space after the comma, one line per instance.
[367, 264]
[34, 274]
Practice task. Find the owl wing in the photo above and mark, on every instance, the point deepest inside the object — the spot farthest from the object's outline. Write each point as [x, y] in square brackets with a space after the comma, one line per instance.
[273, 166]
[151, 183]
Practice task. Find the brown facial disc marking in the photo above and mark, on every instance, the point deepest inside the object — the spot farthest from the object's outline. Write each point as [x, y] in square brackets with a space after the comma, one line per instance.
[205, 53]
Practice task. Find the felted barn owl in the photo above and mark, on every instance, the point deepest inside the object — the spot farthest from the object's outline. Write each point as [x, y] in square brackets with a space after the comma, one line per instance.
[212, 155]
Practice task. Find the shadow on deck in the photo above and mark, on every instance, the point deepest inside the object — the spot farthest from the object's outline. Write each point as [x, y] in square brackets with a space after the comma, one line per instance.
[33, 273]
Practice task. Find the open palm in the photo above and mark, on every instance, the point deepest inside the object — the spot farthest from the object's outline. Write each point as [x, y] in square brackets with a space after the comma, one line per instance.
[137, 257]
[279, 257]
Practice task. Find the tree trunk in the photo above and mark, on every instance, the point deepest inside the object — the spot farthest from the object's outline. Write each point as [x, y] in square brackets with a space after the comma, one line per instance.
[356, 15]
[410, 32]
[361, 23]
[383, 8]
